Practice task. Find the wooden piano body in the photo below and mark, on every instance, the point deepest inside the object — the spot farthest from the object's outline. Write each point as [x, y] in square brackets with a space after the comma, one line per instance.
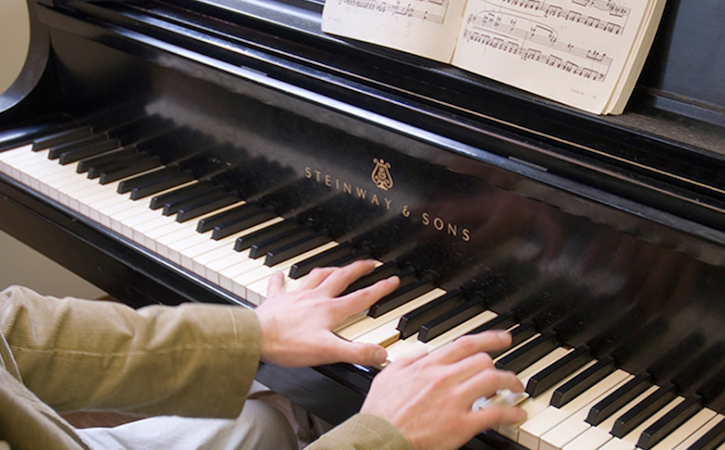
[606, 232]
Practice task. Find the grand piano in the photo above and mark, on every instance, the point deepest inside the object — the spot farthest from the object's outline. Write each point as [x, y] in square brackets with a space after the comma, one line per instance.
[174, 151]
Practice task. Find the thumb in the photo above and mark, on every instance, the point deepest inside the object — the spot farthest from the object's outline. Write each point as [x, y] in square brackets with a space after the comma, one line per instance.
[358, 353]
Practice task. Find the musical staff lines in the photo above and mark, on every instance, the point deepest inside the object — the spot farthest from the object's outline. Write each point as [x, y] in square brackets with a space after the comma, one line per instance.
[426, 10]
[536, 42]
[604, 15]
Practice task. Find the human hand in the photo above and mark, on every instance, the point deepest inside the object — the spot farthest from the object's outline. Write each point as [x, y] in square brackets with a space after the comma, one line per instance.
[297, 326]
[429, 399]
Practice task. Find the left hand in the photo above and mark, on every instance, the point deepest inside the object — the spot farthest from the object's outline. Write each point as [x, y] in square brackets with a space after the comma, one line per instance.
[297, 326]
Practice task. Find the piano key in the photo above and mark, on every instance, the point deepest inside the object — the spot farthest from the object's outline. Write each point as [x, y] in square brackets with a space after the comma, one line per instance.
[403, 294]
[155, 188]
[296, 248]
[205, 206]
[528, 354]
[84, 165]
[412, 344]
[159, 201]
[193, 200]
[671, 421]
[644, 410]
[410, 323]
[161, 173]
[55, 151]
[536, 428]
[321, 260]
[227, 216]
[556, 372]
[261, 247]
[135, 169]
[251, 219]
[369, 323]
[502, 322]
[592, 437]
[621, 396]
[694, 429]
[451, 319]
[585, 380]
[72, 156]
[61, 137]
[247, 241]
[712, 439]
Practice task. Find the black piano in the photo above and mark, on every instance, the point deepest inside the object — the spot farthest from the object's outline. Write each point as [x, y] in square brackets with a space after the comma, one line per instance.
[241, 124]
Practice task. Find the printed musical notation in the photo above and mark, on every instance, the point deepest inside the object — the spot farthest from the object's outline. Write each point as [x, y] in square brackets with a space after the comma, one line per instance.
[604, 15]
[427, 10]
[528, 39]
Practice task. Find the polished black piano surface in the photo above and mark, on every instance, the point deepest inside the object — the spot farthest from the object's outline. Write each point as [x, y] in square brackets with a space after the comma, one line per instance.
[600, 235]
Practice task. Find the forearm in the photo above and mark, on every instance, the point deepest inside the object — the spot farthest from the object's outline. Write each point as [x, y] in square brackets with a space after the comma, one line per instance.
[188, 360]
[362, 432]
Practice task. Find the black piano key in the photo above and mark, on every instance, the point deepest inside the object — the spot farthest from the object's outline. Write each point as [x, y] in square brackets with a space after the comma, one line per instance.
[617, 399]
[555, 373]
[580, 383]
[61, 137]
[206, 206]
[147, 178]
[123, 162]
[85, 164]
[252, 219]
[401, 296]
[712, 439]
[691, 377]
[451, 319]
[192, 201]
[669, 422]
[247, 241]
[524, 331]
[501, 322]
[96, 149]
[643, 410]
[713, 391]
[135, 169]
[183, 192]
[56, 151]
[410, 323]
[208, 223]
[260, 248]
[302, 268]
[529, 353]
[296, 248]
[161, 185]
[387, 270]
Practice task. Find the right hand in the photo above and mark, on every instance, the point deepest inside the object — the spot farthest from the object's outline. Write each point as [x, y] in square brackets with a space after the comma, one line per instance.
[429, 398]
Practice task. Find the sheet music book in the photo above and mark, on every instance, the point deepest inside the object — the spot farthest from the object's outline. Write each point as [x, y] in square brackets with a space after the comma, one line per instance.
[584, 53]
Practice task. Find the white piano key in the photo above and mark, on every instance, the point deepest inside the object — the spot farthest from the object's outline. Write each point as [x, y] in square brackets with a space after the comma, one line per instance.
[629, 441]
[687, 430]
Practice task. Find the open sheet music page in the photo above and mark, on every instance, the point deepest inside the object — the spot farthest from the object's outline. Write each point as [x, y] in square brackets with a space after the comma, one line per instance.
[572, 51]
[427, 28]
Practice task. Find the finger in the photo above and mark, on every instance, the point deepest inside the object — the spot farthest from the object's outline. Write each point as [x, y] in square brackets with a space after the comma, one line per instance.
[363, 299]
[469, 345]
[470, 367]
[346, 275]
[340, 350]
[497, 415]
[316, 277]
[275, 286]
[488, 382]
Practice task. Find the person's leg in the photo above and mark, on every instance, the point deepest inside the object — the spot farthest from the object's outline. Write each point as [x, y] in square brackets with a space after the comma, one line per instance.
[259, 427]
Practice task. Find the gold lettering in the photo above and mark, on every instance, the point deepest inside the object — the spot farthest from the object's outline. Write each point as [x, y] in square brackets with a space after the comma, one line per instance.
[453, 229]
[328, 181]
[318, 173]
[308, 172]
[466, 235]
[439, 224]
[347, 188]
[387, 203]
[362, 193]
[426, 219]
[374, 200]
[337, 184]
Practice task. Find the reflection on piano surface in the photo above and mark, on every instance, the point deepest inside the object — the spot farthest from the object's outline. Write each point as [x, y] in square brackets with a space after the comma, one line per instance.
[170, 154]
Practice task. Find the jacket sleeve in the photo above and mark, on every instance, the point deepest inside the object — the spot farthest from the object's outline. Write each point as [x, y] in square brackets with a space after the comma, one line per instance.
[192, 360]
[362, 432]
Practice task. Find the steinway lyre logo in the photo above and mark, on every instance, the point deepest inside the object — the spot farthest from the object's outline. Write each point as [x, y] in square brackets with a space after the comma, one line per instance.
[381, 175]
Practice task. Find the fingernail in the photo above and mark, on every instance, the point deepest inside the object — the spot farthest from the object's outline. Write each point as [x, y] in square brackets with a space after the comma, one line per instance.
[381, 356]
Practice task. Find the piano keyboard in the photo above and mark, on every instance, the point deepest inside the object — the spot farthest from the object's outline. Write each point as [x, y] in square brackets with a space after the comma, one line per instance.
[575, 403]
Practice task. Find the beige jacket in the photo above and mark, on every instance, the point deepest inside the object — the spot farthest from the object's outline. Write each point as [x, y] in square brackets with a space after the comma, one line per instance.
[194, 360]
